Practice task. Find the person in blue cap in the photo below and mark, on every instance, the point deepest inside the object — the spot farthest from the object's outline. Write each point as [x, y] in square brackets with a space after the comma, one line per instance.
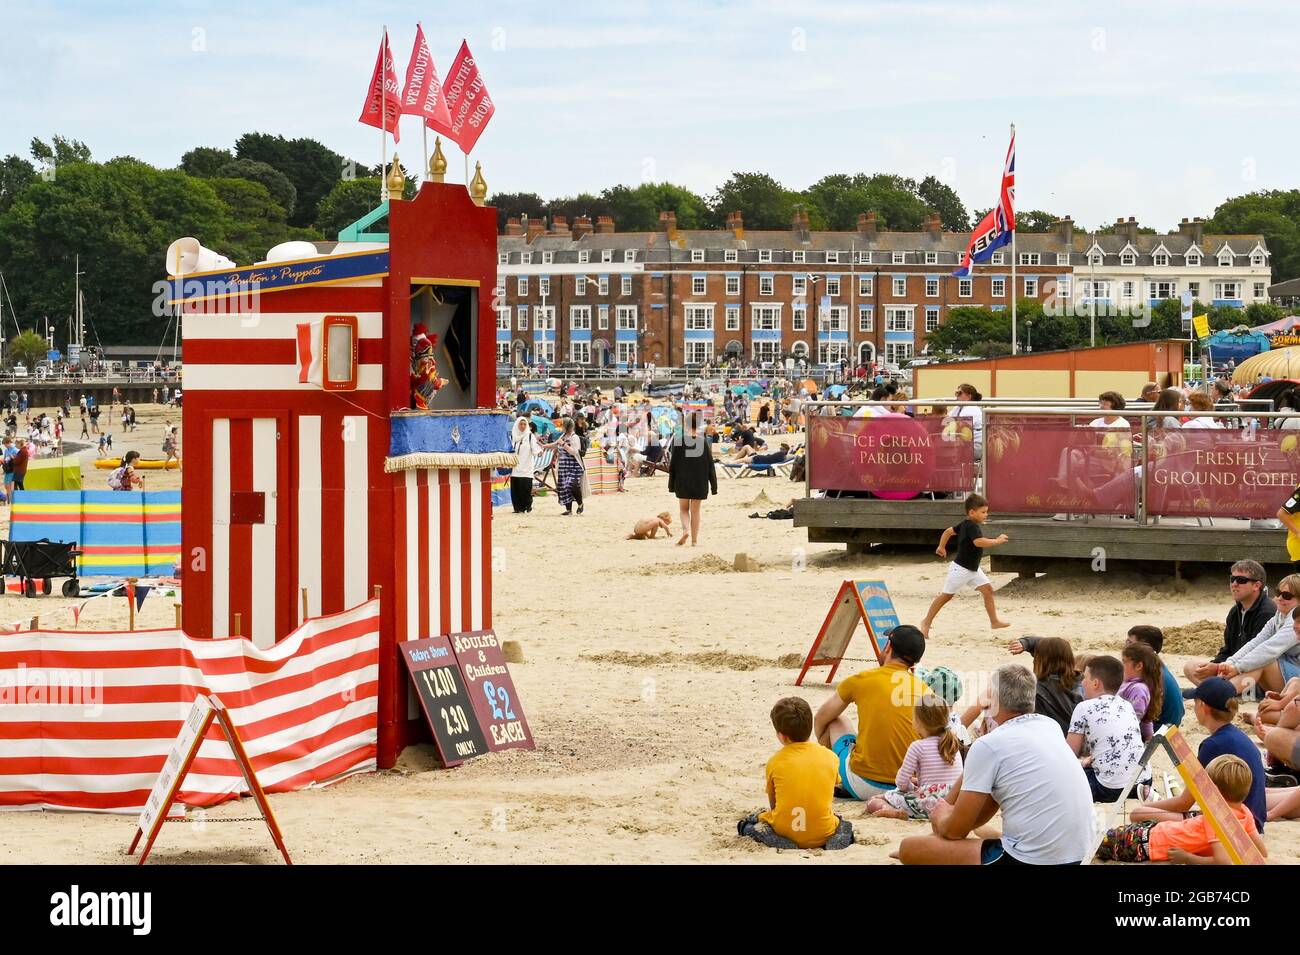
[1216, 708]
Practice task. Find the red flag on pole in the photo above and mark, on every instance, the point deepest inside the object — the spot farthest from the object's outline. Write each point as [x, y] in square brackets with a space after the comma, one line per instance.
[467, 99]
[423, 95]
[383, 100]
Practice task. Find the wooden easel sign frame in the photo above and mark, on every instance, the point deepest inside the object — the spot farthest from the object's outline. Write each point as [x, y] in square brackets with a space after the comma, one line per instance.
[1235, 840]
[204, 711]
[858, 601]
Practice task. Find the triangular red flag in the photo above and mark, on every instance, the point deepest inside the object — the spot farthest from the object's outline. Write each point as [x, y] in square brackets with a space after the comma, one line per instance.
[467, 98]
[383, 99]
[423, 95]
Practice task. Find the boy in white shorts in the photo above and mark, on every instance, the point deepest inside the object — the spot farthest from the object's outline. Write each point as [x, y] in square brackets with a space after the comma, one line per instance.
[965, 567]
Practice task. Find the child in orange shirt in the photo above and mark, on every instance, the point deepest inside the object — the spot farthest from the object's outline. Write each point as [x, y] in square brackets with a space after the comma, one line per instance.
[1188, 841]
[801, 779]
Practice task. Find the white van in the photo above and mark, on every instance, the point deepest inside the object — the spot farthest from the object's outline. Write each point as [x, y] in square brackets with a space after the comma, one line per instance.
[20, 371]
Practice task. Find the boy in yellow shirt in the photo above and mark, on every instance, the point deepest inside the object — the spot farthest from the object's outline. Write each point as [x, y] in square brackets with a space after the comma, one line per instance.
[801, 780]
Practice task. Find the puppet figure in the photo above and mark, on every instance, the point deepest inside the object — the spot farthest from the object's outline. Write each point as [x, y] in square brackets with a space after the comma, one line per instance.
[424, 368]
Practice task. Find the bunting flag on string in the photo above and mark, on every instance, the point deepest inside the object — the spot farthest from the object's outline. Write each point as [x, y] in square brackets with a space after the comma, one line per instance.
[383, 99]
[76, 616]
[141, 591]
[468, 101]
[423, 95]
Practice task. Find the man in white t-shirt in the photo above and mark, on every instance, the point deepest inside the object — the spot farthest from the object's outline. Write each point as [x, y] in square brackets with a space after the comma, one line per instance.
[1024, 769]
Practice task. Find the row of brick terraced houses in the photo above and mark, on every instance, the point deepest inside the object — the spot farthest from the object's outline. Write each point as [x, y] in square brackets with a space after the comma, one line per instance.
[589, 295]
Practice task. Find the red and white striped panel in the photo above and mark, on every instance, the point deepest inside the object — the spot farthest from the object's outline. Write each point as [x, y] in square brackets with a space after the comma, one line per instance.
[259, 351]
[443, 541]
[306, 710]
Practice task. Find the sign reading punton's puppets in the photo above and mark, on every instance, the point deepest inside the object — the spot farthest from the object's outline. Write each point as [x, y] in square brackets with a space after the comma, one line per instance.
[891, 455]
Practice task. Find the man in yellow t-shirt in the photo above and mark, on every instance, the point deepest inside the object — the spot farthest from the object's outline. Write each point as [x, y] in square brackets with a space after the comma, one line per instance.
[800, 783]
[886, 698]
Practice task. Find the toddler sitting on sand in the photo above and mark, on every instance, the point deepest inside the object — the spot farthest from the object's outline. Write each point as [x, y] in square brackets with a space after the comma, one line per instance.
[801, 779]
[930, 768]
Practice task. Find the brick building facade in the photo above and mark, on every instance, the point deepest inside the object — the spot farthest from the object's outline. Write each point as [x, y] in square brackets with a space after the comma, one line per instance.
[586, 294]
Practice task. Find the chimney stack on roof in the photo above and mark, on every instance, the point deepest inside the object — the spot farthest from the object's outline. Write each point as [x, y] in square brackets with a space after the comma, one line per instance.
[736, 224]
[536, 229]
[799, 222]
[559, 225]
[581, 227]
[867, 224]
[933, 224]
[1065, 229]
[513, 226]
[604, 225]
[668, 222]
[1194, 229]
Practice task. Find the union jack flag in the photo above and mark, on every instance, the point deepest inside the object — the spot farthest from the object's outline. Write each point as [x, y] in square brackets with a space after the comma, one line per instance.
[995, 229]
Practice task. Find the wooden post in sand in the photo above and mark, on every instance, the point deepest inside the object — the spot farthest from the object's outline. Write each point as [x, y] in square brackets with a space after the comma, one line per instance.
[177, 608]
[238, 624]
[304, 605]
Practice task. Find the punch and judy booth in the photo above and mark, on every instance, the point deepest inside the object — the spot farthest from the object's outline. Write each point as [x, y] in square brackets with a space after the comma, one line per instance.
[339, 436]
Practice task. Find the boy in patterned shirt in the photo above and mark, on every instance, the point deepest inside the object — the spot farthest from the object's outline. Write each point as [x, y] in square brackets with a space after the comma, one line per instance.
[1104, 731]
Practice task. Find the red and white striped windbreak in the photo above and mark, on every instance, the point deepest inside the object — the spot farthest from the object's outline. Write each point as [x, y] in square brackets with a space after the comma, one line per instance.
[87, 719]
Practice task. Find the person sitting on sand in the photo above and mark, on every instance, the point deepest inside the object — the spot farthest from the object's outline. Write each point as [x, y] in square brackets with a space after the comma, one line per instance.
[1106, 727]
[1192, 840]
[1273, 656]
[1251, 610]
[1215, 708]
[930, 769]
[800, 787]
[771, 457]
[1171, 694]
[886, 696]
[1057, 691]
[1023, 769]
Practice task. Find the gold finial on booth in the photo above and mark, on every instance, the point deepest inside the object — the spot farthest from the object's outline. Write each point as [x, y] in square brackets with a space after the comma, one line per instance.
[396, 182]
[478, 186]
[437, 162]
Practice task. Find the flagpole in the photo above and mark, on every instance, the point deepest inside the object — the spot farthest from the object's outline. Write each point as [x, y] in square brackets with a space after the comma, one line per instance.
[1015, 345]
[424, 126]
[383, 116]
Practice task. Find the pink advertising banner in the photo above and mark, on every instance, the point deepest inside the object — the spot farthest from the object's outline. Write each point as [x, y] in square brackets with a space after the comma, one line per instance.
[1210, 472]
[893, 456]
[1045, 465]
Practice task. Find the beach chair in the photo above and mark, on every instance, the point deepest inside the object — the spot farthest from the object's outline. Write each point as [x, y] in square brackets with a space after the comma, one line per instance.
[544, 468]
[744, 469]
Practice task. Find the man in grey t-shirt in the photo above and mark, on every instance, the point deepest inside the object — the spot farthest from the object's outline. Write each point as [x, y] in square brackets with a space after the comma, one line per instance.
[1024, 768]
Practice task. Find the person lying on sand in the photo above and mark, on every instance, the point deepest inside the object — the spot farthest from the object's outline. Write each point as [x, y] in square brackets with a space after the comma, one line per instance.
[649, 528]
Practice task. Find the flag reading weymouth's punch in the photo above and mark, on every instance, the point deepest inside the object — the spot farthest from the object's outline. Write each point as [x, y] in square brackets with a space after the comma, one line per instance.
[423, 95]
[997, 227]
[383, 99]
[468, 100]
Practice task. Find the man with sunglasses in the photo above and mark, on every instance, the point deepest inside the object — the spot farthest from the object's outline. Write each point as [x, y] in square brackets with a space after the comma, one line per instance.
[1251, 610]
[1273, 657]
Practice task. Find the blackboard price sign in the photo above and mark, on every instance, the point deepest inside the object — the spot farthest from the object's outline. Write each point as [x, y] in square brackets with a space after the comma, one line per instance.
[444, 699]
[483, 667]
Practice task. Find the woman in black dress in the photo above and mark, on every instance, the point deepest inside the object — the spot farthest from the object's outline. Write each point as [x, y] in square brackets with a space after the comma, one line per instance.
[691, 475]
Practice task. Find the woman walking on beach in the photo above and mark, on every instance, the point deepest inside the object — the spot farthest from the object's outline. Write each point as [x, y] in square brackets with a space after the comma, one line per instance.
[521, 478]
[691, 475]
[570, 472]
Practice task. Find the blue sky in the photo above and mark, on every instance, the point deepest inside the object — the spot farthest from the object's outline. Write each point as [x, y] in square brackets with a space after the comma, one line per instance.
[1156, 110]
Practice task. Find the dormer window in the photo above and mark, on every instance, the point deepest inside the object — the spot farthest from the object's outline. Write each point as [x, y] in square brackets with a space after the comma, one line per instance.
[1062, 258]
[899, 258]
[697, 255]
[800, 256]
[1193, 259]
[584, 255]
[1160, 258]
[1127, 258]
[607, 255]
[765, 255]
[833, 257]
[1257, 259]
[629, 255]
[1225, 257]
[1094, 258]
[999, 258]
[526, 258]
[729, 255]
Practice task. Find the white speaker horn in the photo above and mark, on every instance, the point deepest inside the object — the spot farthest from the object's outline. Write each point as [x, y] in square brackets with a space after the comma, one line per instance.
[290, 251]
[185, 257]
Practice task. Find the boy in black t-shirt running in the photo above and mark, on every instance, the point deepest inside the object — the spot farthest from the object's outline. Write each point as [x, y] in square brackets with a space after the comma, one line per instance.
[965, 567]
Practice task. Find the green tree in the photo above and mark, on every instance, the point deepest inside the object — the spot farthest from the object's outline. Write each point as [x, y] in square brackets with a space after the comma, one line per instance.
[943, 199]
[1261, 313]
[692, 211]
[27, 348]
[1034, 220]
[16, 174]
[312, 167]
[583, 204]
[64, 152]
[255, 221]
[276, 183]
[204, 161]
[347, 202]
[762, 201]
[1273, 213]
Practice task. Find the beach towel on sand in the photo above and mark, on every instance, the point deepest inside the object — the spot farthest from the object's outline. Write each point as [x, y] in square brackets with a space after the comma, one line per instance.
[764, 834]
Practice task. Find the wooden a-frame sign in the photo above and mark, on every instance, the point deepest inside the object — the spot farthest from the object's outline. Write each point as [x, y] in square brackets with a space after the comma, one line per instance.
[1235, 840]
[205, 710]
[858, 601]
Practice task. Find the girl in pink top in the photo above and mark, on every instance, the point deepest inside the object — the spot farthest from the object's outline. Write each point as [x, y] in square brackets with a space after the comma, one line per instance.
[930, 767]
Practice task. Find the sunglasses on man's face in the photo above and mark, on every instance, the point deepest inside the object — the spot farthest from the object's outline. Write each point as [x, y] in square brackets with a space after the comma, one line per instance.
[1243, 580]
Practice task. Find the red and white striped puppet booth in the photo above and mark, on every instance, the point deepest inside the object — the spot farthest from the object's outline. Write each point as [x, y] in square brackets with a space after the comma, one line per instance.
[310, 476]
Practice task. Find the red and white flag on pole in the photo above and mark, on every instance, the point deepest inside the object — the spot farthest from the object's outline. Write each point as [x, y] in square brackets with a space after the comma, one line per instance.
[423, 95]
[383, 99]
[467, 99]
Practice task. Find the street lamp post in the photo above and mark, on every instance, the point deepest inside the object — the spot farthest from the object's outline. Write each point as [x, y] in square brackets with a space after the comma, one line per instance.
[1029, 324]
